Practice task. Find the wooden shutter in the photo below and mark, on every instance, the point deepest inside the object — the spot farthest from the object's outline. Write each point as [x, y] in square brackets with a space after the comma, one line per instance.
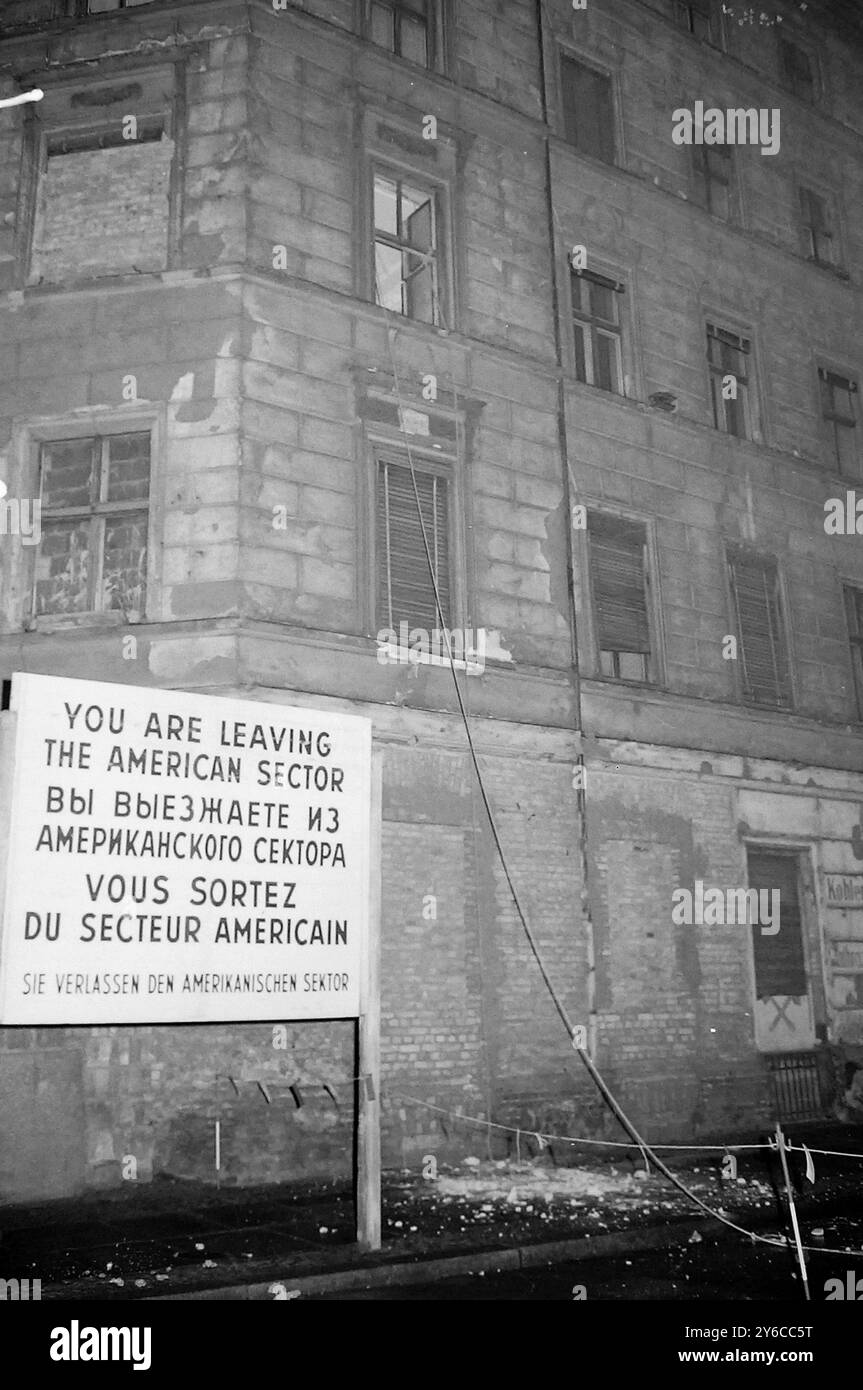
[405, 589]
[780, 961]
[761, 632]
[617, 564]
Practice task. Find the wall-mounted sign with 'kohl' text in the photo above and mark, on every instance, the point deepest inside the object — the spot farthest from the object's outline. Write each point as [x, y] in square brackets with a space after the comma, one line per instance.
[178, 858]
[843, 890]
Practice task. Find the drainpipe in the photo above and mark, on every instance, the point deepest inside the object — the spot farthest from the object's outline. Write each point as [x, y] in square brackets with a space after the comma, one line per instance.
[580, 789]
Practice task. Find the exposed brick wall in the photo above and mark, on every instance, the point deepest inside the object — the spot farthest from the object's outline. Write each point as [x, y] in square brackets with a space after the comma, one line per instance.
[104, 210]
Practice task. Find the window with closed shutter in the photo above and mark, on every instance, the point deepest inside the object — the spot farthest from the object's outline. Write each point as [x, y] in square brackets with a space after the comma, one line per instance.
[780, 959]
[854, 614]
[763, 652]
[618, 568]
[405, 588]
[588, 109]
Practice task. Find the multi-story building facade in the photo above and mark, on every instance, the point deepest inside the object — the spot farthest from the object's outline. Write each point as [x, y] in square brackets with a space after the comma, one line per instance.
[301, 305]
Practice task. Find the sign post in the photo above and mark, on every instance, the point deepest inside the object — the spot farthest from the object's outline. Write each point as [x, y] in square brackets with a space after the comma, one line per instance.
[369, 1088]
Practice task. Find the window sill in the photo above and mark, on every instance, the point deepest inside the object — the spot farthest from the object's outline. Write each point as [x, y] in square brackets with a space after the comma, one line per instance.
[69, 622]
[390, 654]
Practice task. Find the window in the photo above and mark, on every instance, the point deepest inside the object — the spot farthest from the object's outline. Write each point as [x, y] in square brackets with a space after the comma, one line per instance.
[596, 326]
[854, 614]
[819, 242]
[728, 357]
[93, 553]
[796, 68]
[839, 395]
[694, 17]
[405, 589]
[763, 654]
[407, 259]
[103, 202]
[713, 171]
[780, 962]
[588, 109]
[619, 581]
[404, 27]
[100, 6]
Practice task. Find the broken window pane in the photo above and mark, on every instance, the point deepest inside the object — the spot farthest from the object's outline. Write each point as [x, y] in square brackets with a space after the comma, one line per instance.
[68, 473]
[94, 561]
[124, 567]
[63, 567]
[128, 468]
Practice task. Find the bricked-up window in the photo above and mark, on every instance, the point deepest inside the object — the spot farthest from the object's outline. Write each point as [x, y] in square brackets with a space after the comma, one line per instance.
[839, 409]
[728, 356]
[817, 224]
[405, 588]
[713, 174]
[404, 27]
[588, 109]
[103, 203]
[93, 554]
[619, 581]
[694, 17]
[780, 960]
[854, 615]
[596, 329]
[762, 645]
[407, 248]
[796, 68]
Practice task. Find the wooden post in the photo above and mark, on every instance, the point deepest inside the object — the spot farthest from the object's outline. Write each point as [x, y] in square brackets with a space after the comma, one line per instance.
[780, 1144]
[369, 1049]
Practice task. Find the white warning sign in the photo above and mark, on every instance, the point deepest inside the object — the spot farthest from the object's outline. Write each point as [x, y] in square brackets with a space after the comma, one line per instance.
[178, 858]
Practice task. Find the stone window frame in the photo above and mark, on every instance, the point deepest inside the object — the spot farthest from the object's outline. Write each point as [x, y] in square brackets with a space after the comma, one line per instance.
[703, 180]
[825, 365]
[554, 73]
[807, 47]
[732, 551]
[55, 118]
[440, 29]
[587, 629]
[593, 327]
[708, 11]
[394, 145]
[804, 184]
[383, 438]
[812, 918]
[730, 322]
[630, 350]
[17, 564]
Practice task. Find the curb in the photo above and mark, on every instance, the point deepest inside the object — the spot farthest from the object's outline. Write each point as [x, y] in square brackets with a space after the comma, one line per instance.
[430, 1271]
